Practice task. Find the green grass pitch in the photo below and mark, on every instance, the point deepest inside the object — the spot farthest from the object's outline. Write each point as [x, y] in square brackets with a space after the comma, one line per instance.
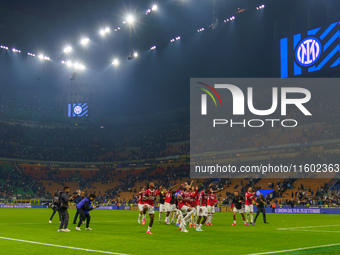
[119, 232]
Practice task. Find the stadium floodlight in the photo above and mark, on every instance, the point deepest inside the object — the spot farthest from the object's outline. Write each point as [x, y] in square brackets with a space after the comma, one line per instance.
[154, 8]
[47, 58]
[16, 51]
[115, 62]
[130, 19]
[172, 40]
[178, 38]
[84, 41]
[102, 32]
[68, 49]
[31, 54]
[147, 11]
[69, 64]
[63, 62]
[3, 47]
[153, 47]
[135, 54]
[41, 56]
[107, 30]
[200, 30]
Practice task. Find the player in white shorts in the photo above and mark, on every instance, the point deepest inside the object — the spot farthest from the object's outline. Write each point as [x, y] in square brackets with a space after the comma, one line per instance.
[249, 208]
[161, 204]
[202, 209]
[169, 203]
[211, 205]
[149, 197]
[237, 207]
[141, 204]
[184, 197]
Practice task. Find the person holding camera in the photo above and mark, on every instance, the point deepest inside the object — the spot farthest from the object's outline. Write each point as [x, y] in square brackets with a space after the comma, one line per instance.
[63, 206]
[55, 206]
[84, 207]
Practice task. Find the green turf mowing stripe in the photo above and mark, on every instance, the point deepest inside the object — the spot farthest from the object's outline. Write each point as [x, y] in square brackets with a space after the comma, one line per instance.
[60, 246]
[297, 249]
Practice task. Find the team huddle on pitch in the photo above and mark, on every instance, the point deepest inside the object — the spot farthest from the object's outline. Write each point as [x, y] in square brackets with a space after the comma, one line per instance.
[190, 207]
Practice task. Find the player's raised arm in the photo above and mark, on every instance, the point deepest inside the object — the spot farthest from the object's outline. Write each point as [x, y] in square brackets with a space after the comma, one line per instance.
[219, 190]
[191, 184]
[195, 194]
[171, 188]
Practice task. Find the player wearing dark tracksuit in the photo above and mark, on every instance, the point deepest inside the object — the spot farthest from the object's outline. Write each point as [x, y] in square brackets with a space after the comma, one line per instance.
[64, 199]
[77, 200]
[84, 207]
[260, 208]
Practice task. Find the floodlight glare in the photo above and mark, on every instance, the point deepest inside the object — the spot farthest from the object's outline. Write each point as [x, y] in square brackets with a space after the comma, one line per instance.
[154, 8]
[135, 54]
[115, 62]
[41, 56]
[130, 19]
[67, 49]
[84, 41]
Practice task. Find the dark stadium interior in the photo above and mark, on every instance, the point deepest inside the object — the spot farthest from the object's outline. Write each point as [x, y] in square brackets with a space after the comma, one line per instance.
[138, 126]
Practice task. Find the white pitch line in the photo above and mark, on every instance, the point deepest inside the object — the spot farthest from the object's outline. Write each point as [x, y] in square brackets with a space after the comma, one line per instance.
[327, 231]
[61, 246]
[297, 249]
[308, 227]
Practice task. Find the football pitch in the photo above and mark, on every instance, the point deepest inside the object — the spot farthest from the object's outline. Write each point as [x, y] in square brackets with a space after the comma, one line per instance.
[27, 231]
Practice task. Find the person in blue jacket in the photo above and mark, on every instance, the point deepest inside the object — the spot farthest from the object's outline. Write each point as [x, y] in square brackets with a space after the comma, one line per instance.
[80, 196]
[84, 207]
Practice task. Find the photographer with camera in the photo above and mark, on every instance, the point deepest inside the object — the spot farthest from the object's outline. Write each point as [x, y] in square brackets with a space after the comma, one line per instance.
[55, 206]
[63, 206]
[84, 207]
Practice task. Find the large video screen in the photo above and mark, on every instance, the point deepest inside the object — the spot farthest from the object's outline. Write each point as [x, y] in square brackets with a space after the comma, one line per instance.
[78, 110]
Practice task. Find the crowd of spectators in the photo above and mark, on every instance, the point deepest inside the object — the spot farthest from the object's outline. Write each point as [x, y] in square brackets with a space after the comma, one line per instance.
[89, 144]
[16, 184]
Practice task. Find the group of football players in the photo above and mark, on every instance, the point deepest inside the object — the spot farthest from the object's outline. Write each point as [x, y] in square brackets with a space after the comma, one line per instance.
[183, 201]
[186, 206]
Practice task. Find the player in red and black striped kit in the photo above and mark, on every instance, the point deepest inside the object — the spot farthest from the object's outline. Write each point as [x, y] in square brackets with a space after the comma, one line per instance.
[141, 203]
[149, 197]
[169, 203]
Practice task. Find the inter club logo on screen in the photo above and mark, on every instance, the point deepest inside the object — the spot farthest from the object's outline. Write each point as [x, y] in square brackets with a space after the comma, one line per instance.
[78, 110]
[308, 52]
[312, 51]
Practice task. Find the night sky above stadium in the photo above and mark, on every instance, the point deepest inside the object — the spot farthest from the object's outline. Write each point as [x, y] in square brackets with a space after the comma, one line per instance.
[156, 84]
